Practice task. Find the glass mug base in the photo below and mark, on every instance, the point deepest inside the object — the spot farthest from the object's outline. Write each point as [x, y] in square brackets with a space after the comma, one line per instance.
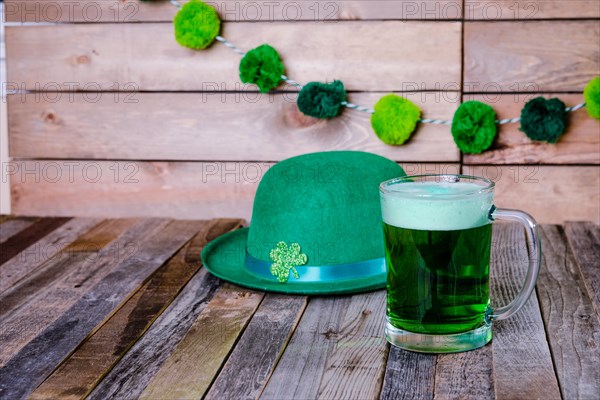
[428, 343]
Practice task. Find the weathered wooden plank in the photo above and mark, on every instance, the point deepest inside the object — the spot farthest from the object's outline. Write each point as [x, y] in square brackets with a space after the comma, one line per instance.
[44, 299]
[408, 375]
[13, 226]
[40, 357]
[337, 351]
[572, 327]
[580, 144]
[59, 273]
[28, 236]
[207, 344]
[167, 189]
[530, 10]
[299, 371]
[467, 375]
[114, 57]
[356, 364]
[523, 366]
[545, 56]
[133, 372]
[253, 359]
[243, 10]
[170, 189]
[78, 375]
[542, 190]
[584, 240]
[50, 246]
[198, 126]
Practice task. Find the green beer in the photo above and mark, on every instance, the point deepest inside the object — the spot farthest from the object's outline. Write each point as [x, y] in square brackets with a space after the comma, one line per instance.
[437, 237]
[438, 234]
[437, 280]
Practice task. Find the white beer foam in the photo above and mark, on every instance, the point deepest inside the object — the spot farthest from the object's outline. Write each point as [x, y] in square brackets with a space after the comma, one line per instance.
[442, 206]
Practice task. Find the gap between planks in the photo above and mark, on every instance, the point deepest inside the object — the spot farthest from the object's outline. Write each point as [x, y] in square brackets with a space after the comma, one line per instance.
[79, 373]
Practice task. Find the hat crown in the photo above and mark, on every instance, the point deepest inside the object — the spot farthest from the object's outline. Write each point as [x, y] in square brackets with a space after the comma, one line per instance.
[326, 202]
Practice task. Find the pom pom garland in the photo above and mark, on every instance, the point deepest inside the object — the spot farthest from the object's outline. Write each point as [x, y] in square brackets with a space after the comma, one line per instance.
[322, 100]
[395, 119]
[196, 25]
[544, 120]
[262, 66]
[591, 94]
[474, 127]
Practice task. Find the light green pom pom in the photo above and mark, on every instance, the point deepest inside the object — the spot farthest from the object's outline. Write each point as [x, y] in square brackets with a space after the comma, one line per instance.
[474, 127]
[591, 94]
[395, 119]
[196, 25]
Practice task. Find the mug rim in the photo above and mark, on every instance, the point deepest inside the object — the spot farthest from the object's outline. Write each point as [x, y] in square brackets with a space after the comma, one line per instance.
[487, 188]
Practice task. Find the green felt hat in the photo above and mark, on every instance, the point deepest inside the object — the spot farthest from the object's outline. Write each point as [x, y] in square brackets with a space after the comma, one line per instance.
[316, 227]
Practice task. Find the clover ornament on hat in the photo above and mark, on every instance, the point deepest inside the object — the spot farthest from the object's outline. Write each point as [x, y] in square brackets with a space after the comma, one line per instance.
[316, 227]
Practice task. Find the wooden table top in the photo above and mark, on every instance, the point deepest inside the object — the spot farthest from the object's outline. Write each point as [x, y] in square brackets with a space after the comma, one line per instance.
[123, 309]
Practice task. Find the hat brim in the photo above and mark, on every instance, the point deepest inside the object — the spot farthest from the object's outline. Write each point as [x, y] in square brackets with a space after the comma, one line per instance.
[219, 261]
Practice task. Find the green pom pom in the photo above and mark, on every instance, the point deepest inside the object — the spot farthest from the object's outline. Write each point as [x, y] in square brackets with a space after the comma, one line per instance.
[322, 100]
[591, 94]
[395, 119]
[544, 120]
[196, 25]
[263, 67]
[474, 127]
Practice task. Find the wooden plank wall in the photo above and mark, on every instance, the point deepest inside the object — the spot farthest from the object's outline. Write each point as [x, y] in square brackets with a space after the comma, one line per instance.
[116, 119]
[4, 183]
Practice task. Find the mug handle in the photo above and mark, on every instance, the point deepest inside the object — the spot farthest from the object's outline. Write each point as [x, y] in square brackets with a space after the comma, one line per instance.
[535, 258]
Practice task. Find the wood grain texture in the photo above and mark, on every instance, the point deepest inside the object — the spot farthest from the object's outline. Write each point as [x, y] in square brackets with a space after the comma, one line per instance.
[142, 189]
[80, 373]
[24, 372]
[111, 56]
[4, 218]
[60, 273]
[467, 375]
[530, 10]
[355, 366]
[522, 364]
[49, 293]
[147, 189]
[231, 11]
[530, 56]
[12, 227]
[199, 126]
[132, 373]
[299, 371]
[52, 245]
[584, 240]
[552, 194]
[28, 236]
[253, 359]
[572, 327]
[408, 375]
[580, 144]
[196, 360]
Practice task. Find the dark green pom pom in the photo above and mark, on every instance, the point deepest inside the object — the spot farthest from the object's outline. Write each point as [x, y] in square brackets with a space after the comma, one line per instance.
[474, 127]
[544, 120]
[592, 97]
[263, 67]
[322, 100]
[395, 119]
[196, 25]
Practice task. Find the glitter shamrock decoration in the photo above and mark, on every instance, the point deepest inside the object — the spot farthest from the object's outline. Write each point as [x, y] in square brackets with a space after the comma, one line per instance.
[286, 259]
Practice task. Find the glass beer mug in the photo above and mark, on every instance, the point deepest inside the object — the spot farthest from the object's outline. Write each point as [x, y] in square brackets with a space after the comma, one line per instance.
[438, 233]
